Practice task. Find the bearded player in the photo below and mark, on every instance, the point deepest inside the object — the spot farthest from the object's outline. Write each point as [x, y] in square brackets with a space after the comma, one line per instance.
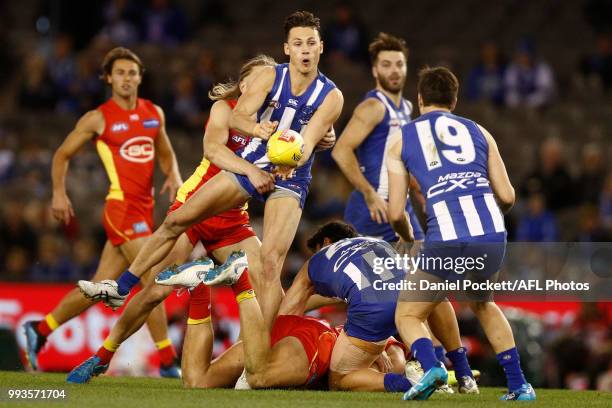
[360, 154]
[128, 132]
[220, 235]
[289, 96]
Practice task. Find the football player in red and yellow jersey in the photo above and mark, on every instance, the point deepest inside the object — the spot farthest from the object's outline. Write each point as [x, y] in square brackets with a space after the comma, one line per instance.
[220, 235]
[128, 132]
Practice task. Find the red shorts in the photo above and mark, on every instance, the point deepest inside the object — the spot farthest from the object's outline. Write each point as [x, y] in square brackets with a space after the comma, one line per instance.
[395, 342]
[317, 337]
[221, 230]
[127, 220]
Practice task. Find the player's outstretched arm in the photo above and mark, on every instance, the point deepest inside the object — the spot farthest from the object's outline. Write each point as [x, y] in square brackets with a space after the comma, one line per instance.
[216, 150]
[399, 182]
[498, 176]
[167, 159]
[366, 117]
[294, 302]
[321, 122]
[242, 117]
[88, 126]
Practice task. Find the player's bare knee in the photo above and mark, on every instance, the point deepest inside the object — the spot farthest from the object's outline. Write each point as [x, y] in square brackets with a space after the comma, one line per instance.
[172, 227]
[479, 307]
[154, 295]
[271, 263]
[335, 381]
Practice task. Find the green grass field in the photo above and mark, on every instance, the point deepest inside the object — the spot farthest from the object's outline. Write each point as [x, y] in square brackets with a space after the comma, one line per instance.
[110, 392]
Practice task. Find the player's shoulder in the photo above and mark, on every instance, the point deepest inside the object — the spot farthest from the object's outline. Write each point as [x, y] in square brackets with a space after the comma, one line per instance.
[220, 112]
[91, 122]
[485, 133]
[92, 117]
[222, 106]
[266, 76]
[371, 108]
[326, 81]
[149, 105]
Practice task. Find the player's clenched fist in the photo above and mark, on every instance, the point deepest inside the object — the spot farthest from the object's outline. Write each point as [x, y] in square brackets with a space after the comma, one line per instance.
[264, 130]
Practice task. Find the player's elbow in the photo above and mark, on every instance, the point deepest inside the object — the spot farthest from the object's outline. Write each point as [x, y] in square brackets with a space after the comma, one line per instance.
[210, 153]
[337, 152]
[506, 199]
[396, 214]
[61, 155]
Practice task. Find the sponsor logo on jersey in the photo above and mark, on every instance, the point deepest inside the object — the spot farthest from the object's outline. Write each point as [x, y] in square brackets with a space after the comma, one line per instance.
[306, 114]
[134, 117]
[150, 123]
[138, 149]
[293, 102]
[119, 127]
[457, 182]
[140, 227]
[240, 140]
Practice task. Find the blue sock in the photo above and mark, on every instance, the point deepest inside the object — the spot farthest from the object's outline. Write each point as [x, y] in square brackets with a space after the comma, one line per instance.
[126, 282]
[439, 350]
[422, 349]
[460, 362]
[511, 363]
[396, 383]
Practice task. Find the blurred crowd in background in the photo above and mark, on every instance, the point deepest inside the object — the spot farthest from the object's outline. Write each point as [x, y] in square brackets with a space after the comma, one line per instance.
[537, 75]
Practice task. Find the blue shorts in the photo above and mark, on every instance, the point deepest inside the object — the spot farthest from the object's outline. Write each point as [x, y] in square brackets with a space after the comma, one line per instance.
[371, 321]
[477, 257]
[358, 214]
[297, 188]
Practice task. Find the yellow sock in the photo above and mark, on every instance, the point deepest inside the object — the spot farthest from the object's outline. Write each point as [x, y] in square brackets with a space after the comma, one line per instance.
[110, 346]
[247, 294]
[198, 321]
[51, 322]
[163, 344]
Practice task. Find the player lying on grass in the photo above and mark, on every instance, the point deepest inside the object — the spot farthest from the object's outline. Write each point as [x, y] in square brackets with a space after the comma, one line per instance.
[297, 352]
[289, 96]
[370, 321]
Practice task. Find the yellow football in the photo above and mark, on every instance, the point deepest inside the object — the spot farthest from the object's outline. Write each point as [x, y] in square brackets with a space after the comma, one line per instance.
[285, 148]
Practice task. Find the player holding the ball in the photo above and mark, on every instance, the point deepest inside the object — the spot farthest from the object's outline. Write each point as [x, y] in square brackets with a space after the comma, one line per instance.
[292, 96]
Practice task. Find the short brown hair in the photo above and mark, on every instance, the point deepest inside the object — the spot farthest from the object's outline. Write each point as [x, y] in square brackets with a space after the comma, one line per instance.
[302, 19]
[386, 42]
[438, 86]
[117, 54]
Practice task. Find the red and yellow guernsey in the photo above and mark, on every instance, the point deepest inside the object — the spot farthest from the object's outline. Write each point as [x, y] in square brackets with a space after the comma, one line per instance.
[127, 149]
[207, 170]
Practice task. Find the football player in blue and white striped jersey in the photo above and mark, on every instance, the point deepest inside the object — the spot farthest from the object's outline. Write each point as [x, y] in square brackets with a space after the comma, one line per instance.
[458, 167]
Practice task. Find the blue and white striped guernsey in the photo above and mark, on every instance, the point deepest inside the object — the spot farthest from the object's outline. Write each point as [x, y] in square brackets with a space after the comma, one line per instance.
[448, 156]
[371, 155]
[292, 112]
